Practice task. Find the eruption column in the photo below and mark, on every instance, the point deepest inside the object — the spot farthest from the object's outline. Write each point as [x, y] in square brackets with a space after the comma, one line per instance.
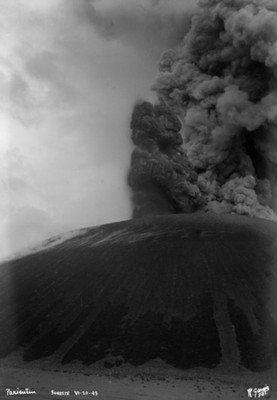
[219, 86]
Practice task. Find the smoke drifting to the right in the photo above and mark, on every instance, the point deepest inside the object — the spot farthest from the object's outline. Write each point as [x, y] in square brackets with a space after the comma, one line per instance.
[210, 143]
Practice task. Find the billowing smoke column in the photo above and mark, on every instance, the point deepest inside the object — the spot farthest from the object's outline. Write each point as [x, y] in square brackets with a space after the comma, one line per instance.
[210, 143]
[161, 177]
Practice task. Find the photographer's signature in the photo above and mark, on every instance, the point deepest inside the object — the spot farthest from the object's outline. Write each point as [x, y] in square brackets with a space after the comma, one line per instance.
[258, 392]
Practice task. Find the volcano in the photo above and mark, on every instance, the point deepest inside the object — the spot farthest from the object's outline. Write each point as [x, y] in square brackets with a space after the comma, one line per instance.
[190, 289]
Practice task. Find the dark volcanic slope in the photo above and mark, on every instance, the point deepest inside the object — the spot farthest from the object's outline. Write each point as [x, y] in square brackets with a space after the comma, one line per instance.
[190, 289]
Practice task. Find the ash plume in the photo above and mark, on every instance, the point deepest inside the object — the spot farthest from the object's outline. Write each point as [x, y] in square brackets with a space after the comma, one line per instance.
[210, 142]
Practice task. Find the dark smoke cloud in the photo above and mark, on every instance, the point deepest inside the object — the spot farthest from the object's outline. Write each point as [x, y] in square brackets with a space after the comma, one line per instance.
[220, 82]
[160, 176]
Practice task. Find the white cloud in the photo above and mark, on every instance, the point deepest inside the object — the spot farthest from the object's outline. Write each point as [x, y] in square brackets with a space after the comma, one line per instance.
[67, 92]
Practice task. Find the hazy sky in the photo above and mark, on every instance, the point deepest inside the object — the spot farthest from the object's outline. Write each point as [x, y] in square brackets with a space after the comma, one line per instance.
[70, 73]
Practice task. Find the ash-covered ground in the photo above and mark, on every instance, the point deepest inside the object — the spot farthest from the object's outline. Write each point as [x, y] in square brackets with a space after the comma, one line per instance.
[195, 291]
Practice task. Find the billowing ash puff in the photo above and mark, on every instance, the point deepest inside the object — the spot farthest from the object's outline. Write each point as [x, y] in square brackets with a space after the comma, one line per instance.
[217, 94]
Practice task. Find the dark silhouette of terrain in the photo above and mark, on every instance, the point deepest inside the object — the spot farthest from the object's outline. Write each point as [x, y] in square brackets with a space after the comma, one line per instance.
[191, 289]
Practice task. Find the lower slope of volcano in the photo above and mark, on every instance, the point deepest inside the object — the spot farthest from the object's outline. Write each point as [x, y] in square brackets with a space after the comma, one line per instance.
[192, 290]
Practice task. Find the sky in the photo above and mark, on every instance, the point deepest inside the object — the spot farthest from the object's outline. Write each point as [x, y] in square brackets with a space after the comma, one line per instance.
[71, 72]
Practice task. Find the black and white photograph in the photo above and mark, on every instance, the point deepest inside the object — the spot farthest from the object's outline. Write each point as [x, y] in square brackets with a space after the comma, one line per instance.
[138, 207]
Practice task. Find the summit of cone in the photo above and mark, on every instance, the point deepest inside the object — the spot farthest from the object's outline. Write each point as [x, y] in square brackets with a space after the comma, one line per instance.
[190, 289]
